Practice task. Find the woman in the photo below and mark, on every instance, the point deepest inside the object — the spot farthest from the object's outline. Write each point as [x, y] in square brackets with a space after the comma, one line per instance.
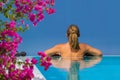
[73, 49]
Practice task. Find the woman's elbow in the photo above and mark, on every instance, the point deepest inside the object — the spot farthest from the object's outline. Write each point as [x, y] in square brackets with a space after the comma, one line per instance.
[99, 53]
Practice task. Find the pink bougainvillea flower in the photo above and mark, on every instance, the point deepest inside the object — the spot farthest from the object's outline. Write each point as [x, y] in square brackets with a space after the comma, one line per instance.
[42, 54]
[12, 24]
[40, 17]
[34, 61]
[35, 23]
[39, 53]
[27, 60]
[17, 3]
[18, 9]
[24, 66]
[13, 53]
[40, 2]
[23, 1]
[47, 1]
[44, 4]
[47, 66]
[48, 59]
[38, 8]
[22, 21]
[1, 4]
[50, 10]
[32, 17]
[22, 75]
[49, 63]
[52, 2]
[12, 66]
[26, 25]
[32, 67]
[27, 8]
[20, 40]
[24, 11]
[30, 74]
[45, 60]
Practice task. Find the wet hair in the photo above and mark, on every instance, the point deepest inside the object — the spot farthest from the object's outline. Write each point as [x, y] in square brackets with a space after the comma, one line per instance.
[73, 34]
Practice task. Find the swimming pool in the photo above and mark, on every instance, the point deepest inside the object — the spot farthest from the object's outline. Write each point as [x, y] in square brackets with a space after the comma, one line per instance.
[92, 68]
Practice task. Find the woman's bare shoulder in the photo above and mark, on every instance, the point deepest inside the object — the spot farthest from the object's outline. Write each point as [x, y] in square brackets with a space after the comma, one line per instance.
[59, 45]
[83, 44]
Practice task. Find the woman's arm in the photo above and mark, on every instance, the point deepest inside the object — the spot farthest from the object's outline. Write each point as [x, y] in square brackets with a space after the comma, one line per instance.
[53, 50]
[93, 51]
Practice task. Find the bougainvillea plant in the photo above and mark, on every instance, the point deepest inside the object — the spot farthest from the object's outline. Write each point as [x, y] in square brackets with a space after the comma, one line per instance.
[14, 13]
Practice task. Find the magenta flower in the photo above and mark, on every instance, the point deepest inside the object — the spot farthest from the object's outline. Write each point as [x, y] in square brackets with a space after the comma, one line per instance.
[43, 63]
[23, 1]
[40, 16]
[20, 39]
[47, 1]
[35, 23]
[12, 54]
[32, 67]
[42, 54]
[32, 17]
[52, 2]
[22, 74]
[34, 61]
[12, 24]
[45, 60]
[27, 60]
[1, 4]
[38, 8]
[27, 25]
[48, 59]
[50, 10]
[12, 66]
[22, 21]
[17, 3]
[30, 74]
[47, 65]
[26, 9]
[24, 66]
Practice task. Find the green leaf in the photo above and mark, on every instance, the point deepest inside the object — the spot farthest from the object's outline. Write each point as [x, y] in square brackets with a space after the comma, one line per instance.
[6, 15]
[12, 2]
[8, 39]
[20, 28]
[6, 12]
[9, 6]
[12, 16]
[1, 0]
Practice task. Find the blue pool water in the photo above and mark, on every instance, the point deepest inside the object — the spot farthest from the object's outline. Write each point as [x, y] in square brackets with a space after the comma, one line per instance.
[93, 68]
